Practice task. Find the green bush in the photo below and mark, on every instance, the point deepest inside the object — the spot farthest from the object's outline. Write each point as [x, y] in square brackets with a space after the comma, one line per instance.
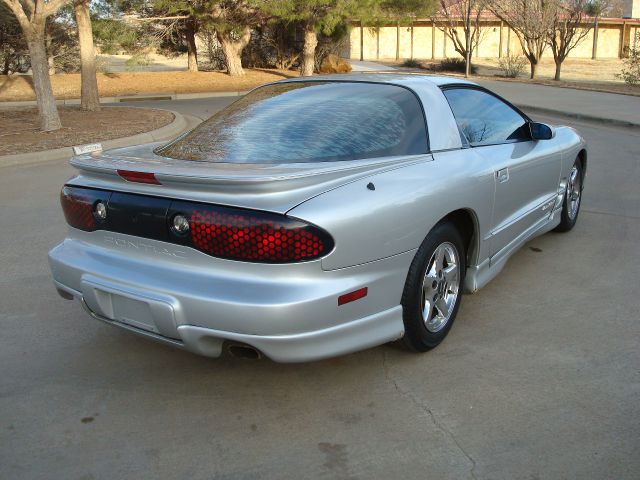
[455, 65]
[411, 63]
[512, 65]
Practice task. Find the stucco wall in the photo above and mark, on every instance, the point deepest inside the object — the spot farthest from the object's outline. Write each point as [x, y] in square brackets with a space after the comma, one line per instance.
[381, 43]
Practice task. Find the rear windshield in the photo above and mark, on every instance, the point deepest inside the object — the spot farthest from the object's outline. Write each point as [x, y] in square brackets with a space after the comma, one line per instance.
[308, 122]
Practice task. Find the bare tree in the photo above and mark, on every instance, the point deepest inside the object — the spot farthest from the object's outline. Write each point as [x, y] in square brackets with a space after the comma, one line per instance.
[89, 99]
[32, 16]
[465, 12]
[570, 25]
[531, 21]
[191, 27]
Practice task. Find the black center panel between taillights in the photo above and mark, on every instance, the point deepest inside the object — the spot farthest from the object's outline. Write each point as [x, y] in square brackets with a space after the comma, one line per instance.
[220, 231]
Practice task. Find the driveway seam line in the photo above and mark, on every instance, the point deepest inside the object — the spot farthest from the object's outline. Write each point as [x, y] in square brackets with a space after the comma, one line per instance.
[426, 410]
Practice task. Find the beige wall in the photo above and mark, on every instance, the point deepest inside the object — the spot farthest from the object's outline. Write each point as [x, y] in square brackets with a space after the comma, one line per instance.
[381, 43]
[631, 8]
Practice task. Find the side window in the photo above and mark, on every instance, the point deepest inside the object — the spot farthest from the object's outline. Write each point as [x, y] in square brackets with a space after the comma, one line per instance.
[484, 119]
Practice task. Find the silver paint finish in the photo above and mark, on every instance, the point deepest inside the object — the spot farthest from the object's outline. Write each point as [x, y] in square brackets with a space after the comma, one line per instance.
[509, 192]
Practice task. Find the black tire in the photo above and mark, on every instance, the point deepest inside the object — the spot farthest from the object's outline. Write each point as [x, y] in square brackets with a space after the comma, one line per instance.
[569, 214]
[418, 336]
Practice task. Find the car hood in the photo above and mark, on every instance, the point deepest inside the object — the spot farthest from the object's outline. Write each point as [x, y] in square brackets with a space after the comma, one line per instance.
[275, 187]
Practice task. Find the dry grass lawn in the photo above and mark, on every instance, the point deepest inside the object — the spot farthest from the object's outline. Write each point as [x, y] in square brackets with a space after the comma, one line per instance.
[65, 86]
[19, 131]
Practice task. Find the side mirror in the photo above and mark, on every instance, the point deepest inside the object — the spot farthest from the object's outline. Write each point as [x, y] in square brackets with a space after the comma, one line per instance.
[541, 131]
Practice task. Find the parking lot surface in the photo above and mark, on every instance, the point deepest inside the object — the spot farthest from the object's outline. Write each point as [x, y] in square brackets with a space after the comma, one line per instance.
[538, 379]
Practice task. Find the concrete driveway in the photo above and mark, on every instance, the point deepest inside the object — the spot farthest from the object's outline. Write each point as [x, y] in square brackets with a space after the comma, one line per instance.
[539, 378]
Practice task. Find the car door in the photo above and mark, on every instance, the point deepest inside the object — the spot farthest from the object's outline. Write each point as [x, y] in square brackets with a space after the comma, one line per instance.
[526, 172]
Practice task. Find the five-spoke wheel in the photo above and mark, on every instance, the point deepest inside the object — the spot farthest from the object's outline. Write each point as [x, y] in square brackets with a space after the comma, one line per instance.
[572, 198]
[432, 291]
[440, 287]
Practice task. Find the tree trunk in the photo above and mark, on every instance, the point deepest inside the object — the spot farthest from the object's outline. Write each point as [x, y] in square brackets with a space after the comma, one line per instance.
[192, 52]
[48, 113]
[558, 67]
[48, 47]
[467, 39]
[89, 100]
[534, 65]
[232, 50]
[309, 50]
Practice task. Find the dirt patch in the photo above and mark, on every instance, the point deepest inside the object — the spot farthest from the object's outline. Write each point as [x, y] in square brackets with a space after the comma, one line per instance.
[580, 73]
[19, 132]
[65, 86]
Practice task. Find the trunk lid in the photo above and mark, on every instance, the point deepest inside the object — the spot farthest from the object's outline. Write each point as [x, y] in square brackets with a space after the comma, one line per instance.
[273, 187]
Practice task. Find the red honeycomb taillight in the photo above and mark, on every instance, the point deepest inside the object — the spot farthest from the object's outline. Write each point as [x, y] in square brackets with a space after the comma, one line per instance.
[225, 232]
[78, 205]
[252, 236]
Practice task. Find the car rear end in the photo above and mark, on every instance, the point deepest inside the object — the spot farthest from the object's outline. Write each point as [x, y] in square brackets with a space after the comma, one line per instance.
[199, 253]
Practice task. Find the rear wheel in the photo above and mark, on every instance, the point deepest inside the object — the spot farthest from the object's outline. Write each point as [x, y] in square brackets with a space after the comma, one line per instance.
[572, 199]
[433, 289]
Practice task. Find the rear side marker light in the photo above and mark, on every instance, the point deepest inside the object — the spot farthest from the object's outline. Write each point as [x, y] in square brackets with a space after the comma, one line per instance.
[353, 296]
[139, 177]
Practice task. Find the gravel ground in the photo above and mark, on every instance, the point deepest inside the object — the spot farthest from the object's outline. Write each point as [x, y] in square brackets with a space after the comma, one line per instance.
[19, 128]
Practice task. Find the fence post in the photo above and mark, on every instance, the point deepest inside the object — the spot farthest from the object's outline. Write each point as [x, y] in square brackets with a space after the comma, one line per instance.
[433, 39]
[361, 41]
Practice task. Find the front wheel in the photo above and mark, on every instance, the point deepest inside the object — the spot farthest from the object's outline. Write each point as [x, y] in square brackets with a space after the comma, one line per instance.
[433, 289]
[572, 199]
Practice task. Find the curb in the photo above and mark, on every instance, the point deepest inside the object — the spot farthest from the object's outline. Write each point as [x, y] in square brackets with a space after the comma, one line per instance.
[131, 98]
[177, 126]
[578, 116]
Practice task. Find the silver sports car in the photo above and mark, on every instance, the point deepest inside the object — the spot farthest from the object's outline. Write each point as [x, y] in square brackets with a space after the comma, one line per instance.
[316, 216]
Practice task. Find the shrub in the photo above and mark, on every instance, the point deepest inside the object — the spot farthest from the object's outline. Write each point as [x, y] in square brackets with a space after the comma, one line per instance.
[512, 65]
[411, 63]
[455, 65]
[630, 72]
[137, 60]
[272, 46]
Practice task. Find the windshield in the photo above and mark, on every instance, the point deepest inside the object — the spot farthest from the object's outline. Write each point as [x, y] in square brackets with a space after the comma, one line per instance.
[308, 122]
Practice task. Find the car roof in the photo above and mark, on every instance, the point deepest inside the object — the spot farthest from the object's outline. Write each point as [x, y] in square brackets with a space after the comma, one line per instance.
[398, 78]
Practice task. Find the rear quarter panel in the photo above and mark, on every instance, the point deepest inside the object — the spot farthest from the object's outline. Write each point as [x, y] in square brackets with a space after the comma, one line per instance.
[368, 225]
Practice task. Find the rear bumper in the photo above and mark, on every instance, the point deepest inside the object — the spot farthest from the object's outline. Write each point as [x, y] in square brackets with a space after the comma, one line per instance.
[342, 339]
[194, 302]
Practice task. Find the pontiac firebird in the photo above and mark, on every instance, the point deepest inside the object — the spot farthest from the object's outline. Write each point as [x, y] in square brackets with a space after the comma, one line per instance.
[315, 217]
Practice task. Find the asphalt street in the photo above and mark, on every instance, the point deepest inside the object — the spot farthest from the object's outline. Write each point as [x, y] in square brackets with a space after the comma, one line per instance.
[538, 379]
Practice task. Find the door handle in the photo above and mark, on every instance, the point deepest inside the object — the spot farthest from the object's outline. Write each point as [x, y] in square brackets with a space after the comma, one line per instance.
[502, 175]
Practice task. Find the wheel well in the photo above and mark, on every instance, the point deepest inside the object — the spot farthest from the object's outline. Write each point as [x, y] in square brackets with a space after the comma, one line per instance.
[466, 223]
[582, 156]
